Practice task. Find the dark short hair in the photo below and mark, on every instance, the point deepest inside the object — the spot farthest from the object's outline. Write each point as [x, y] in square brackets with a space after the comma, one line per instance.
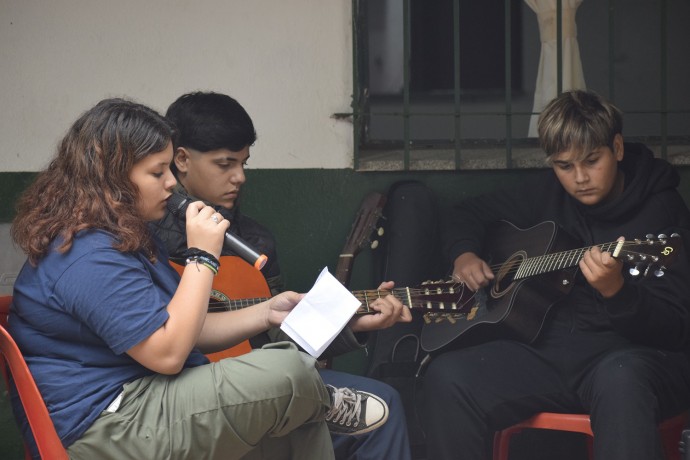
[578, 120]
[210, 121]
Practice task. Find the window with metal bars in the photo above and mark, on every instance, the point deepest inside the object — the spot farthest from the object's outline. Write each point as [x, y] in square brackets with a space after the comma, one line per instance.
[458, 84]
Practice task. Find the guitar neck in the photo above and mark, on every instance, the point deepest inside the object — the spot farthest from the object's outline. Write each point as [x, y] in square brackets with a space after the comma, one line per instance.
[413, 297]
[362, 228]
[344, 267]
[538, 265]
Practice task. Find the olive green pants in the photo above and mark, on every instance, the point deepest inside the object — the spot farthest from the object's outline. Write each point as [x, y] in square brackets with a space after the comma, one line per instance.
[267, 404]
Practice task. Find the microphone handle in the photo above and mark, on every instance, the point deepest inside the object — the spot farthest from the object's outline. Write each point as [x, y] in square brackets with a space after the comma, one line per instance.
[245, 252]
[177, 205]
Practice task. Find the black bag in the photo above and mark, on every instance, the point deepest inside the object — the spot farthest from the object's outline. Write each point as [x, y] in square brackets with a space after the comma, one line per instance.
[409, 254]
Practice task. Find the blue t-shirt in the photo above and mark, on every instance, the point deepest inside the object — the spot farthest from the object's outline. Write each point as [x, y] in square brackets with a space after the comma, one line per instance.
[76, 314]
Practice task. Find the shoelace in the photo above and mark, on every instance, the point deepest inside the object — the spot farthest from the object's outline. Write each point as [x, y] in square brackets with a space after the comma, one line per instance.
[347, 405]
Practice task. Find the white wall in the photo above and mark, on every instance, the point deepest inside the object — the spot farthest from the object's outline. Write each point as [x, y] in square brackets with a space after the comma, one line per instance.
[288, 62]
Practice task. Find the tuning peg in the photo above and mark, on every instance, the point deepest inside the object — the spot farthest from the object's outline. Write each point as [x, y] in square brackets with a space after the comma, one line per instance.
[675, 235]
[659, 272]
[649, 236]
[374, 244]
[662, 236]
[380, 231]
[634, 271]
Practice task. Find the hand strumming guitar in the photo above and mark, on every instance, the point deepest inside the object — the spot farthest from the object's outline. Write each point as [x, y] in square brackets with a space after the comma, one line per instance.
[470, 269]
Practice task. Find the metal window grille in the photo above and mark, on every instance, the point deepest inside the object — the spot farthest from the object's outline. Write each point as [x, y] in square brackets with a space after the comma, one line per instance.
[660, 107]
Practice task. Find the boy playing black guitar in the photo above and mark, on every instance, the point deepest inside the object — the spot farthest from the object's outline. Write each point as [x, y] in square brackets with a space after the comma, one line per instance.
[614, 345]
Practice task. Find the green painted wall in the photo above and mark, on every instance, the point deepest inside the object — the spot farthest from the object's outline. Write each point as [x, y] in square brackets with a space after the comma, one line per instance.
[310, 212]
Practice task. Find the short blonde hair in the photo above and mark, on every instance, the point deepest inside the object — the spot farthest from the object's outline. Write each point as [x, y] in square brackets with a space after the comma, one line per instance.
[579, 121]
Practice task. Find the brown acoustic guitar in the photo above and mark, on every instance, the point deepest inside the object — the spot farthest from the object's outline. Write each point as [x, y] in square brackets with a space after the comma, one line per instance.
[236, 279]
[360, 236]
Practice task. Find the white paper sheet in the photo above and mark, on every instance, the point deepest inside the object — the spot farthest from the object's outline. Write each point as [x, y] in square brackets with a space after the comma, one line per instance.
[321, 315]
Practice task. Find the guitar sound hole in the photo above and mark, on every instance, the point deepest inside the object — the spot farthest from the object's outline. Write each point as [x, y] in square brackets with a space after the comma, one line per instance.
[505, 276]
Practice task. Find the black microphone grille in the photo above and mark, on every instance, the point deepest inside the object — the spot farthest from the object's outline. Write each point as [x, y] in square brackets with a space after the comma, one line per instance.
[177, 205]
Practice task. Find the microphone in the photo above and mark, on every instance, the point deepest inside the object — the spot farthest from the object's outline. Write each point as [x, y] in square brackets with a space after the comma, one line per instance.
[177, 205]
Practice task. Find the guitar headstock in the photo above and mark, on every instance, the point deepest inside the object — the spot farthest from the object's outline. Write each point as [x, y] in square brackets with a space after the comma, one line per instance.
[360, 236]
[370, 211]
[439, 296]
[650, 255]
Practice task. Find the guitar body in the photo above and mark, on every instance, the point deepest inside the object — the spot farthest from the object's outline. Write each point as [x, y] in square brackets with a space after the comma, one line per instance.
[236, 279]
[508, 308]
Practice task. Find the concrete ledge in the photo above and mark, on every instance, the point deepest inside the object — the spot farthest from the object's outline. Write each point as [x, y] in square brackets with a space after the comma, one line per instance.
[486, 158]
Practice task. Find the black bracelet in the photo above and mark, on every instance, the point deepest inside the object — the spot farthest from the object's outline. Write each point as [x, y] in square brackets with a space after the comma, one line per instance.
[199, 256]
[194, 252]
[211, 264]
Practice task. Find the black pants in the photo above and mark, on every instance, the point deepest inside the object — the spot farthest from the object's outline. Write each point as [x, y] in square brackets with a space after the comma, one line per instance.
[627, 390]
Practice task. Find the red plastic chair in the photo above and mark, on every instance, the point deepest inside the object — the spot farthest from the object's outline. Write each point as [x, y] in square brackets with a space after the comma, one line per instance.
[49, 444]
[670, 429]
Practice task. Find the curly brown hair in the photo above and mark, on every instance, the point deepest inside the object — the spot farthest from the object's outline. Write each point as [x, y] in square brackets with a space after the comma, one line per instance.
[87, 185]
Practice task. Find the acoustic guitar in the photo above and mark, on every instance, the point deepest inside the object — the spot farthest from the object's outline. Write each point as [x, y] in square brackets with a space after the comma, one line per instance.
[239, 285]
[236, 279]
[533, 268]
[368, 215]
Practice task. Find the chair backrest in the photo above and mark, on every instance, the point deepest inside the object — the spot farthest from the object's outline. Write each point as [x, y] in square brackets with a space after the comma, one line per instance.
[47, 440]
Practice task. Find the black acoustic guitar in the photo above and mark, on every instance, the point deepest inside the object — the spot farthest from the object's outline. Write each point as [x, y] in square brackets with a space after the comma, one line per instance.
[533, 268]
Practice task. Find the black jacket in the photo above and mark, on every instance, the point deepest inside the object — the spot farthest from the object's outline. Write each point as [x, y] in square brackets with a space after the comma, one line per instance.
[652, 311]
[172, 231]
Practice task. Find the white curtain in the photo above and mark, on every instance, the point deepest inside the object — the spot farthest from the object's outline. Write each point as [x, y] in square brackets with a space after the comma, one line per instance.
[386, 47]
[573, 77]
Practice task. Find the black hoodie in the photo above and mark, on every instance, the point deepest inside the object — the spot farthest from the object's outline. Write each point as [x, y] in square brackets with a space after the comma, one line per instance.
[652, 311]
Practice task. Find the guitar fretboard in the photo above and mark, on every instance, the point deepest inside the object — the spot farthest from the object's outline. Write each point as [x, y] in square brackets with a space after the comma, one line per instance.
[559, 260]
[365, 297]
[431, 296]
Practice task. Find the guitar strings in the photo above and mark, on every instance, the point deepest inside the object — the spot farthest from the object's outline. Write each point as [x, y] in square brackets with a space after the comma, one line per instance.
[423, 294]
[525, 266]
[551, 262]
